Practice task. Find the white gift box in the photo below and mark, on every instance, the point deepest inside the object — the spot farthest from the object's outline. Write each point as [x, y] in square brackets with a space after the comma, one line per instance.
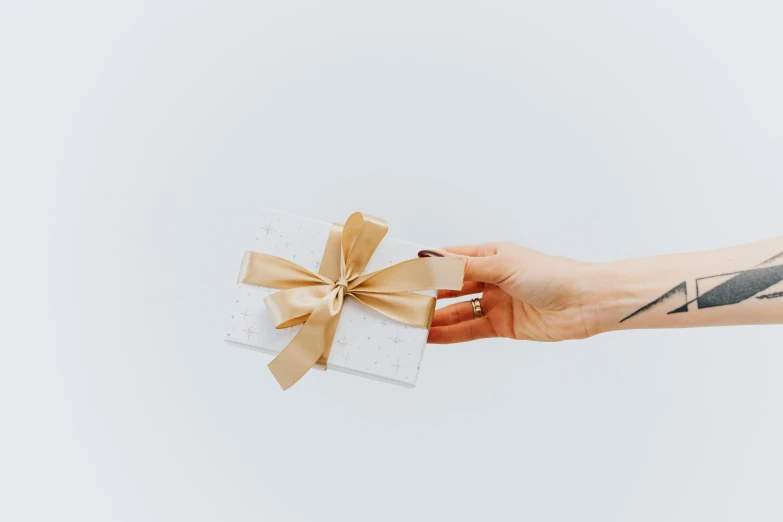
[367, 343]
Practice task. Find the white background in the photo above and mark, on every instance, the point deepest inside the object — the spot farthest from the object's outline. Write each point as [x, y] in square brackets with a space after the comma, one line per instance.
[136, 138]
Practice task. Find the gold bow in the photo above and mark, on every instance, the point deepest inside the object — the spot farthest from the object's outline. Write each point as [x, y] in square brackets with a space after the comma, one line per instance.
[317, 299]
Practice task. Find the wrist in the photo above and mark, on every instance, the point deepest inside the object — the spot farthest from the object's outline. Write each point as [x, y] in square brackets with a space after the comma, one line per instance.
[601, 296]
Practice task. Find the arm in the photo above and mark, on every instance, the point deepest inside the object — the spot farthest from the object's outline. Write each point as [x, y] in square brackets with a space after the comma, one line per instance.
[529, 295]
[731, 286]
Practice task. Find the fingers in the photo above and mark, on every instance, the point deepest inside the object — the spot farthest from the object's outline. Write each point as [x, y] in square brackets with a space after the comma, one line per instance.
[462, 332]
[470, 287]
[453, 314]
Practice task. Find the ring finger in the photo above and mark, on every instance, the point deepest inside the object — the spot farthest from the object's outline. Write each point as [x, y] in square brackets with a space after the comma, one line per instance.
[456, 313]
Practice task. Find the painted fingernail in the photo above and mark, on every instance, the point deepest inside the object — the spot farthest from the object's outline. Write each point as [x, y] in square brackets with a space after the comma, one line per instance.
[430, 253]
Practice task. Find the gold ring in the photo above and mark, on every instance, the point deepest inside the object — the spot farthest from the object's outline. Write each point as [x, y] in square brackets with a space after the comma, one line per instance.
[477, 312]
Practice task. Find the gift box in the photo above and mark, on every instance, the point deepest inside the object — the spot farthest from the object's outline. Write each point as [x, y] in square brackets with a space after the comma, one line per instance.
[366, 342]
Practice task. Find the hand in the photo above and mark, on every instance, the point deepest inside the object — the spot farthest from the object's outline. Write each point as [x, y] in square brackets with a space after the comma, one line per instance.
[525, 295]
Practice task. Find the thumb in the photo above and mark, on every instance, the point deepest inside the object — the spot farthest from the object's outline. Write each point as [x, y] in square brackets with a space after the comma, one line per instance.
[487, 269]
[482, 269]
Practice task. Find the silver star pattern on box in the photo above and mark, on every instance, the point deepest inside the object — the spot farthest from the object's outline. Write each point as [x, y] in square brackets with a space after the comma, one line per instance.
[367, 343]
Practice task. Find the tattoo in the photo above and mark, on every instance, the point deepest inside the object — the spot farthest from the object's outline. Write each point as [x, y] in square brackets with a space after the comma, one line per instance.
[681, 289]
[723, 289]
[772, 259]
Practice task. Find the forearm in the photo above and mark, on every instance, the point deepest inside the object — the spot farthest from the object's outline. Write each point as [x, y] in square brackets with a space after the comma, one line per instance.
[731, 286]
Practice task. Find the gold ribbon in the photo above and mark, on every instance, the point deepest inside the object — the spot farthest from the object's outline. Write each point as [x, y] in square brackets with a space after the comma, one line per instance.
[317, 299]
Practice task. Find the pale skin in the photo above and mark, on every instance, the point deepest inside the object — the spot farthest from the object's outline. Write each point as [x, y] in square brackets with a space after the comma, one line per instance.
[528, 295]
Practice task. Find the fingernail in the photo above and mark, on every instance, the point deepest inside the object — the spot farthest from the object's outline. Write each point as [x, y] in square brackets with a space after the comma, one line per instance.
[430, 253]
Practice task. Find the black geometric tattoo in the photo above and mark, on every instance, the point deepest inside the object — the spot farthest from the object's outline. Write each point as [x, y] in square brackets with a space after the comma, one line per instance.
[743, 285]
[736, 287]
[681, 289]
[773, 258]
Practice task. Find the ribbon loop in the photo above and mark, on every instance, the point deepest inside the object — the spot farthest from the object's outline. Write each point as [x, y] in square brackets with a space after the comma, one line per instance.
[361, 236]
[316, 300]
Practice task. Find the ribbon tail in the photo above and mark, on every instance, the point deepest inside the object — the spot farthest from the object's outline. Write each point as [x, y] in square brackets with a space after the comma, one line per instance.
[312, 342]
